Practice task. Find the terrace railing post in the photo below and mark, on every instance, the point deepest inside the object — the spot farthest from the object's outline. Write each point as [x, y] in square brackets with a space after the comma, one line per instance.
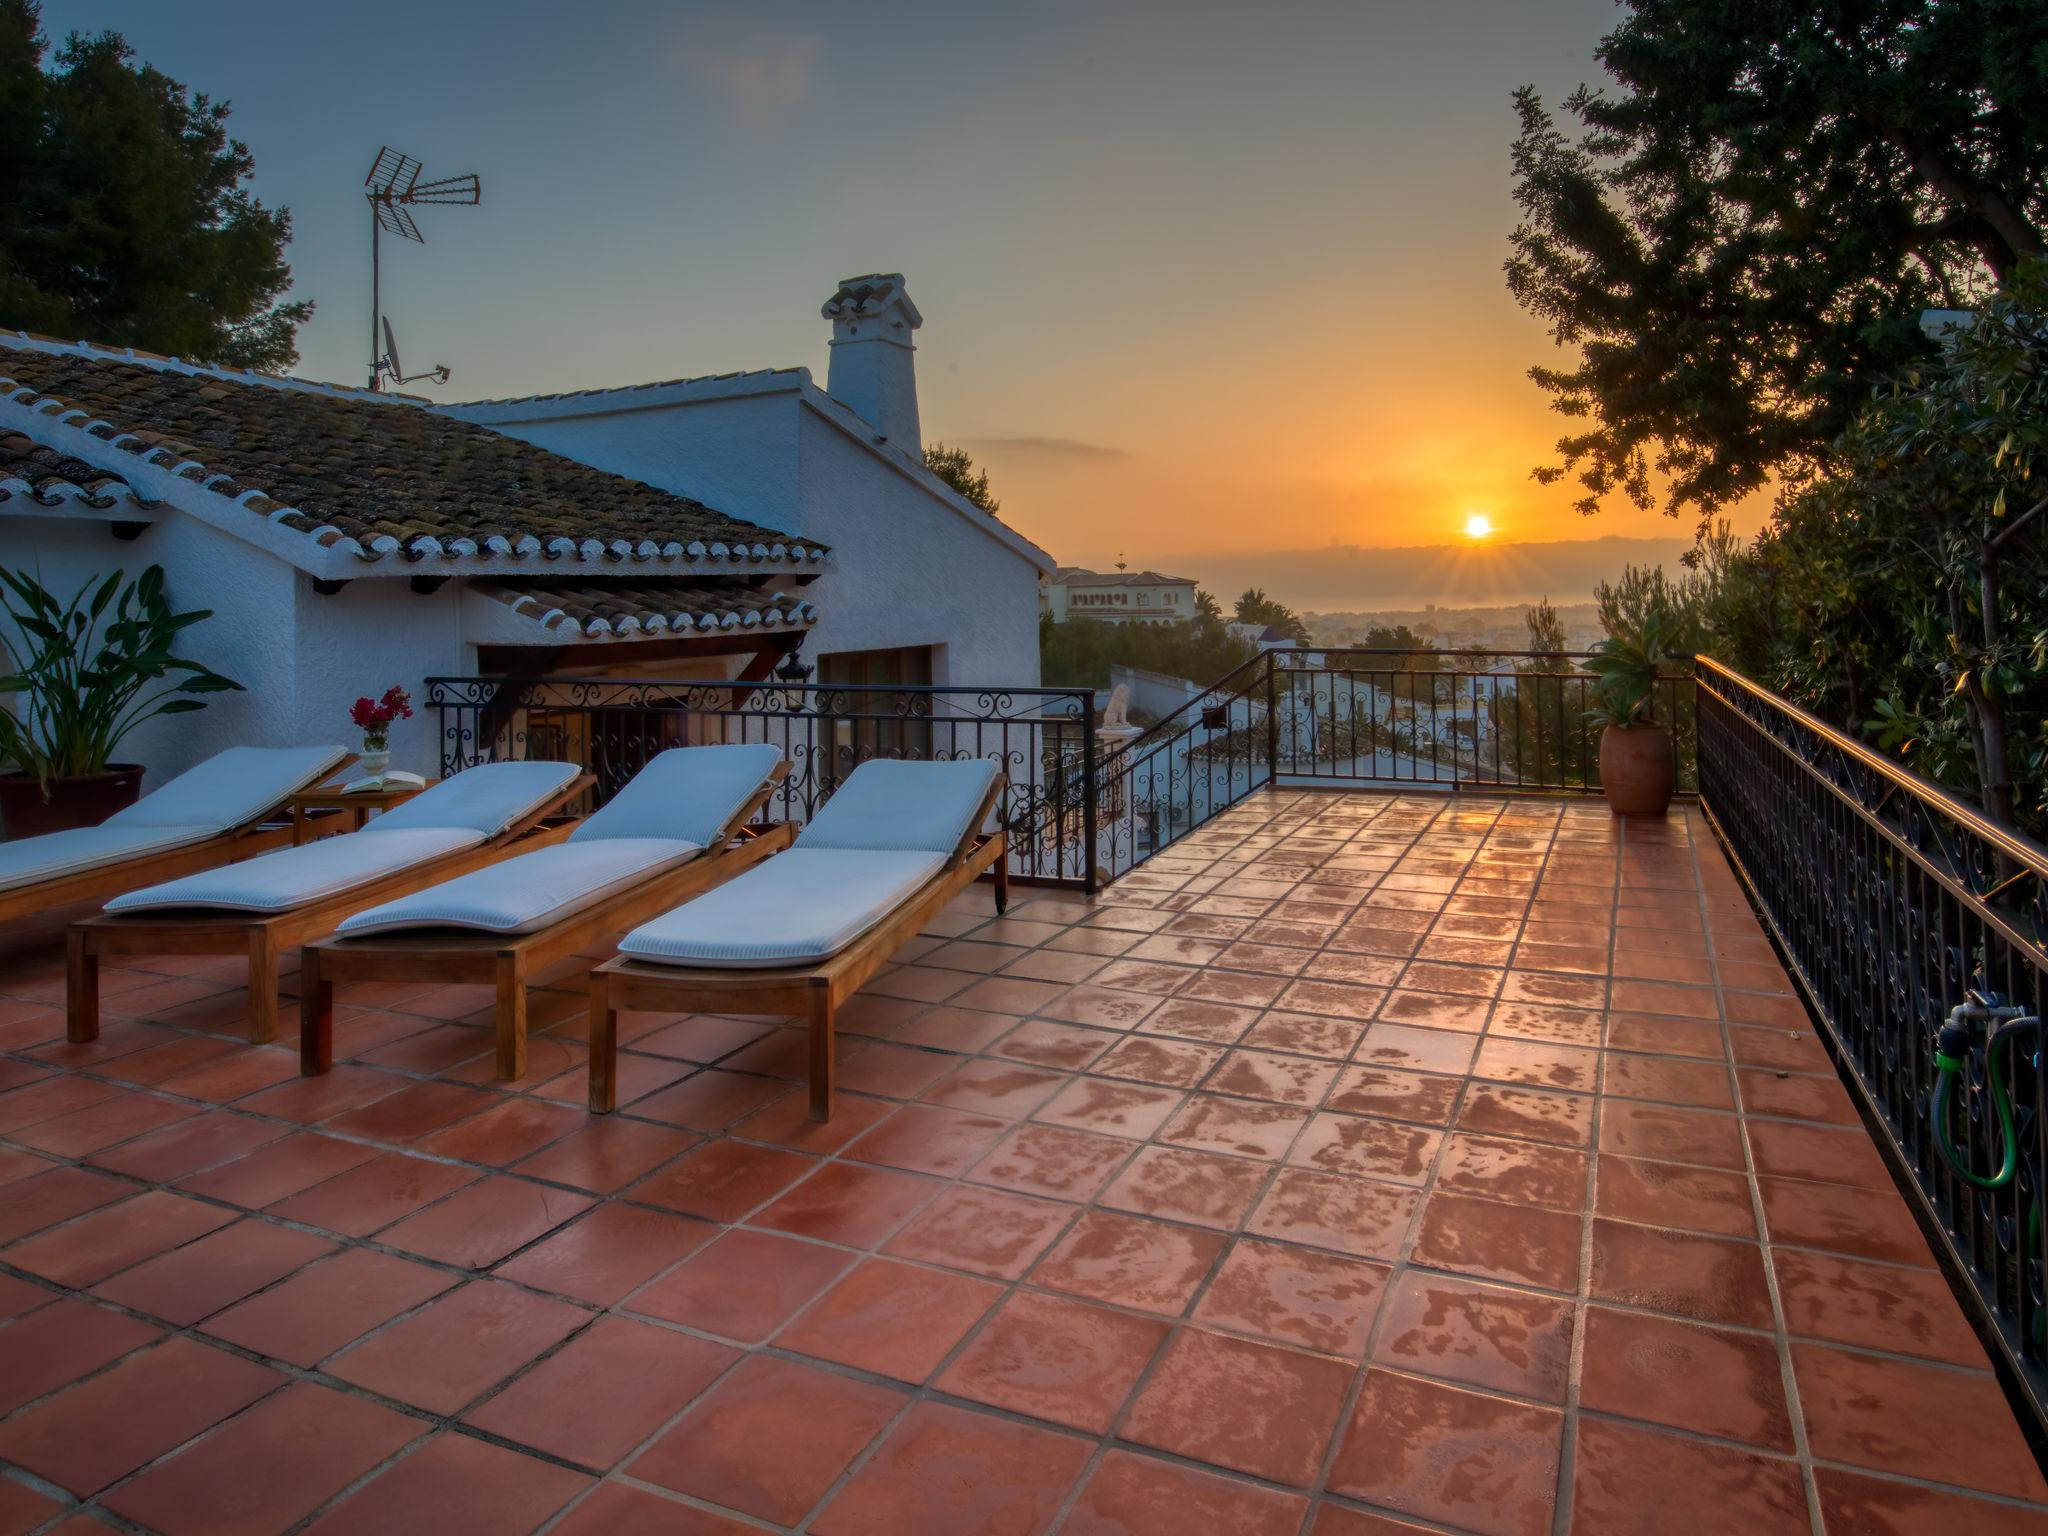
[1089, 782]
[1272, 724]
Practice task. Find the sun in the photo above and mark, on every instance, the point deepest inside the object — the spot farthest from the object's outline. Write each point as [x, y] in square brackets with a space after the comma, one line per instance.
[1478, 526]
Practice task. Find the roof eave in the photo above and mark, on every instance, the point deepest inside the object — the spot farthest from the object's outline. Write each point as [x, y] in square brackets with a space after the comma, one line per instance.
[159, 475]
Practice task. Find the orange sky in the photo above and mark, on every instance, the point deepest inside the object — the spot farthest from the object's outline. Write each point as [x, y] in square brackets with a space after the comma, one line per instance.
[1198, 278]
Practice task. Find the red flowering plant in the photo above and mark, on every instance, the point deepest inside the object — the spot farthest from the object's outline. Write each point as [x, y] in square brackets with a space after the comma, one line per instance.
[374, 716]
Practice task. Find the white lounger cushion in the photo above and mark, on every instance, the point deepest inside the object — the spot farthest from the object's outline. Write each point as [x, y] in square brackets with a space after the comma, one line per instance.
[913, 805]
[293, 877]
[230, 788]
[30, 860]
[799, 907]
[470, 808]
[485, 799]
[531, 891]
[685, 793]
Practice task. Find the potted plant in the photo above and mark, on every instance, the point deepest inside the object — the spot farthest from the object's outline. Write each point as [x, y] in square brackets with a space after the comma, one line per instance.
[373, 717]
[83, 673]
[1637, 771]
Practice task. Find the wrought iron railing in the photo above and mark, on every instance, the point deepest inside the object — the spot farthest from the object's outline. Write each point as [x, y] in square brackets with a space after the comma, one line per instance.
[1494, 720]
[1080, 810]
[1042, 738]
[1893, 901]
[1372, 718]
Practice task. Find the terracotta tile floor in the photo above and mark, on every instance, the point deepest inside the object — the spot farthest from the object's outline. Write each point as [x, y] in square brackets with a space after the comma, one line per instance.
[1367, 1164]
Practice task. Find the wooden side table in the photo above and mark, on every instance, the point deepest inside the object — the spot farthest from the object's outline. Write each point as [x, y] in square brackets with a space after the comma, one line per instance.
[329, 797]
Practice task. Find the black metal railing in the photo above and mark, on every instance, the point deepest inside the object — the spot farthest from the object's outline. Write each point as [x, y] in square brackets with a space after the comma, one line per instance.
[1042, 738]
[1516, 720]
[1893, 901]
[1083, 810]
[1171, 777]
[1373, 718]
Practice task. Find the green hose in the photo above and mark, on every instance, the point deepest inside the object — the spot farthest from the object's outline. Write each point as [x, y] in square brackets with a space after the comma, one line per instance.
[1950, 1068]
[1948, 1061]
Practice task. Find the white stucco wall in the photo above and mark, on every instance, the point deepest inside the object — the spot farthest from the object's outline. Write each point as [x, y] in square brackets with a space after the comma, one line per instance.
[366, 637]
[302, 658]
[737, 453]
[909, 568]
[249, 638]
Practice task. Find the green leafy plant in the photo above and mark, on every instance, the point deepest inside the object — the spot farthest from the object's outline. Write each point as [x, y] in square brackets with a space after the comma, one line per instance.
[85, 671]
[1626, 668]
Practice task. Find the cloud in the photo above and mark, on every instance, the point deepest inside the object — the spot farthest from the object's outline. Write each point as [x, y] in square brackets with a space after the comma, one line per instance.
[762, 69]
[1050, 447]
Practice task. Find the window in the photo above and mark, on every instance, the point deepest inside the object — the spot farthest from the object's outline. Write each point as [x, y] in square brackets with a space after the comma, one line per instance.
[882, 724]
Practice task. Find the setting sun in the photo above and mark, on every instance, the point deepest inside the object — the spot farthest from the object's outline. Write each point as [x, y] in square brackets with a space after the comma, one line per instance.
[1477, 526]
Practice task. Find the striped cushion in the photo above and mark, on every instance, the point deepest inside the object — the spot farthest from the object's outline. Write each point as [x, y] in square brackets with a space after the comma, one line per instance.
[296, 877]
[230, 788]
[528, 892]
[799, 907]
[485, 799]
[30, 860]
[884, 804]
[685, 793]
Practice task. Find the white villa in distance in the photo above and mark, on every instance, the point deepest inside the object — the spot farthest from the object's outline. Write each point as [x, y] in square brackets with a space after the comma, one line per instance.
[700, 528]
[1117, 597]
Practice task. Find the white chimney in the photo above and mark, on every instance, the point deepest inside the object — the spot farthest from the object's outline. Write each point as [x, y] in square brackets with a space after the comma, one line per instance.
[873, 369]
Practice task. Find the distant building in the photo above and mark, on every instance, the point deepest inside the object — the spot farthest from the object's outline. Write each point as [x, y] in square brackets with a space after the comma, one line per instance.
[1264, 636]
[1116, 597]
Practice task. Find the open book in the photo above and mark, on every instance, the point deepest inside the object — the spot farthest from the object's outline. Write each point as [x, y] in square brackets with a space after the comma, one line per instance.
[391, 778]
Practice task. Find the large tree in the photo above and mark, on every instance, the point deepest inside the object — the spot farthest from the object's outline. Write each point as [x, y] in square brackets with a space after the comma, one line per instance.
[1738, 237]
[1254, 607]
[1933, 568]
[123, 214]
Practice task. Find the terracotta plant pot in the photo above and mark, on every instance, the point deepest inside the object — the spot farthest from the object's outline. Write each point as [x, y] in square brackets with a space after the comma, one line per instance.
[1637, 772]
[84, 801]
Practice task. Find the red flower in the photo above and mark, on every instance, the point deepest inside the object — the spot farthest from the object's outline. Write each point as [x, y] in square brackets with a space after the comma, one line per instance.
[376, 715]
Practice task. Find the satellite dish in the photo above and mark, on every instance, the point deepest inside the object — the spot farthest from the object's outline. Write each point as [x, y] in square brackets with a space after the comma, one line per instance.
[388, 366]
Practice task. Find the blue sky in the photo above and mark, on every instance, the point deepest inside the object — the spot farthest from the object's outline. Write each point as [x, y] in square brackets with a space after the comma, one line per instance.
[1196, 278]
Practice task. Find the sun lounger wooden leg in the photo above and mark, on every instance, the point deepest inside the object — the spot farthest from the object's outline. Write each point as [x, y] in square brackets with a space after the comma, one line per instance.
[604, 1047]
[262, 990]
[511, 1019]
[1001, 870]
[824, 1052]
[81, 989]
[316, 1016]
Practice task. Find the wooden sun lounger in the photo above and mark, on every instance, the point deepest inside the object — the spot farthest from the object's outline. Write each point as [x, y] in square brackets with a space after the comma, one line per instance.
[813, 993]
[512, 960]
[261, 833]
[264, 938]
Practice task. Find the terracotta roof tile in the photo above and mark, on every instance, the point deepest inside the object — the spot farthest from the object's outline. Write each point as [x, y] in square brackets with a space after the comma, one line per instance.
[1076, 576]
[50, 478]
[391, 478]
[650, 607]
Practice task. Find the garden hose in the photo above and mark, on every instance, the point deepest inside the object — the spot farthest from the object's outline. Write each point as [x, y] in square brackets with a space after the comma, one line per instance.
[1951, 1050]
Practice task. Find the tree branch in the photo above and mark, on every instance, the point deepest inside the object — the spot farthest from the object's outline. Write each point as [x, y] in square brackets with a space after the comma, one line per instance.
[2013, 236]
[2017, 524]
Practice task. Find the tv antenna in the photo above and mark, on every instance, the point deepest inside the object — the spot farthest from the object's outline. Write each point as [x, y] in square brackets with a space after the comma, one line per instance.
[393, 189]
